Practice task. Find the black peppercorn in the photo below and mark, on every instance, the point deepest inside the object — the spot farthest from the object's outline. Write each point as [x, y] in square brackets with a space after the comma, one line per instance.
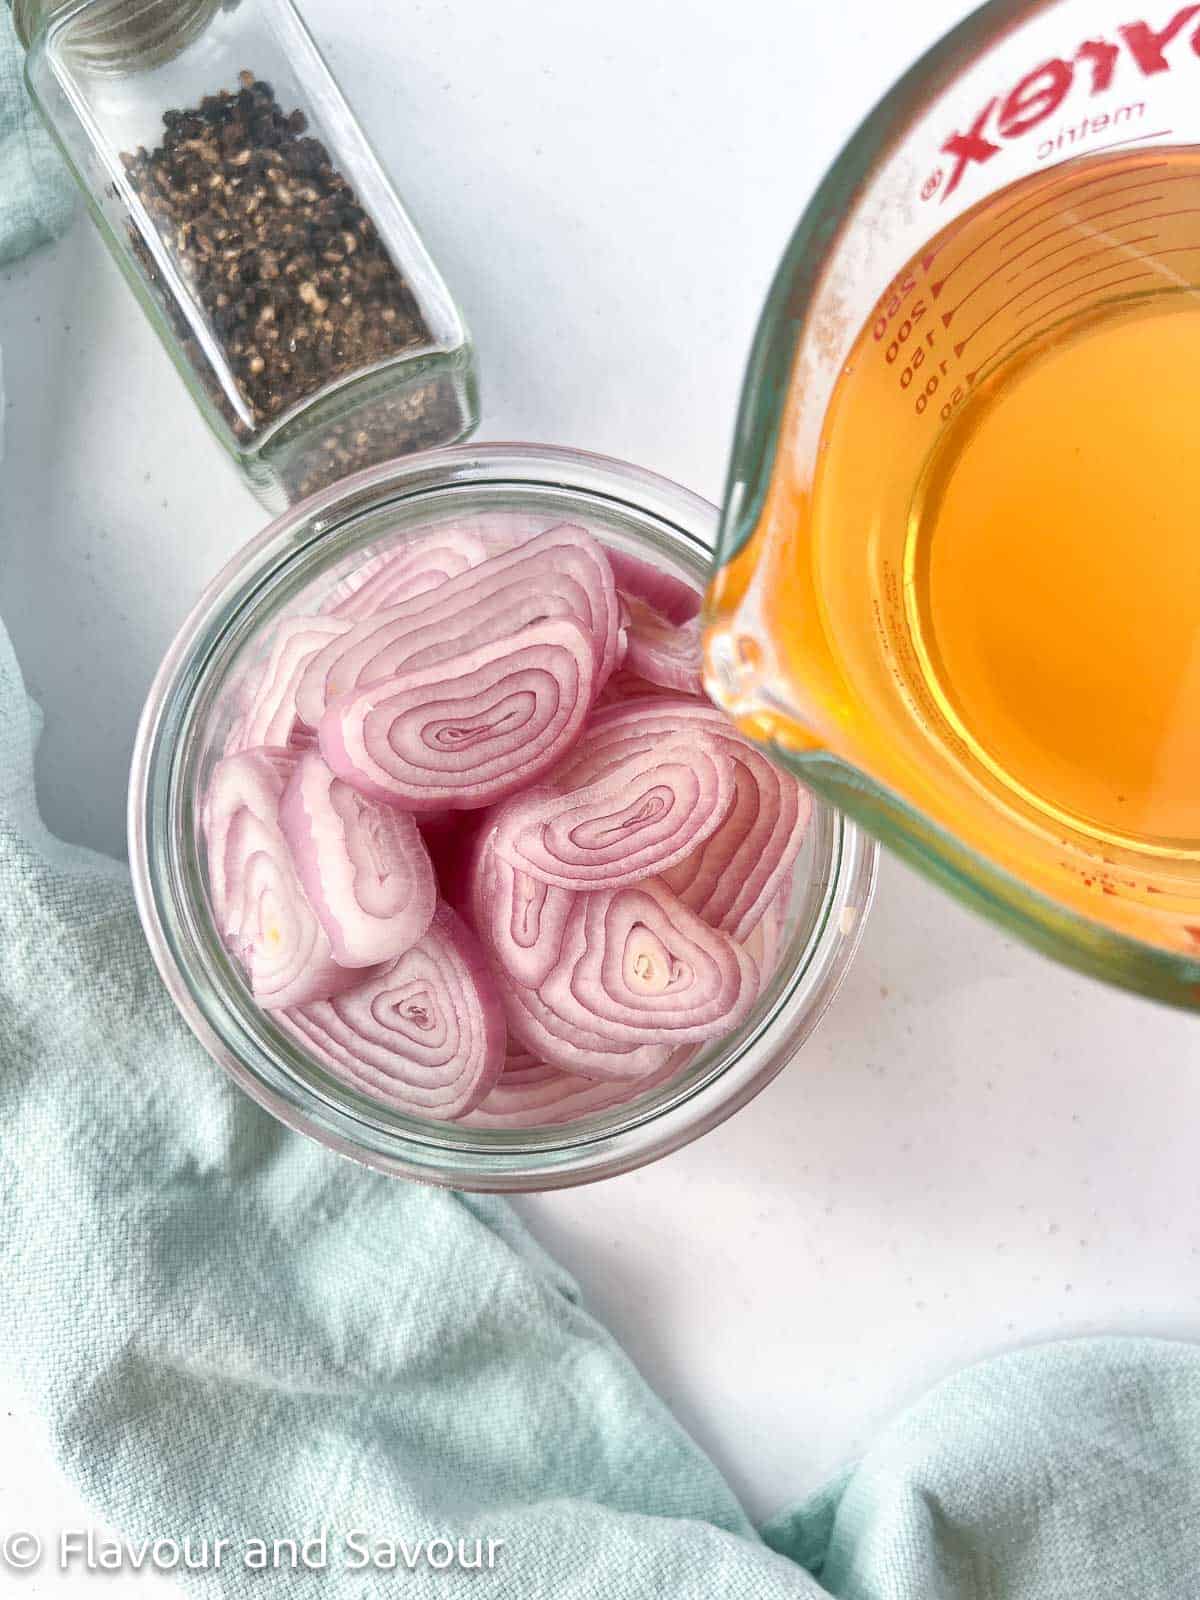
[285, 266]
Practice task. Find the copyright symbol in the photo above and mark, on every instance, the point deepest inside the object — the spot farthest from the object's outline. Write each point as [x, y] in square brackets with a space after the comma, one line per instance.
[20, 1551]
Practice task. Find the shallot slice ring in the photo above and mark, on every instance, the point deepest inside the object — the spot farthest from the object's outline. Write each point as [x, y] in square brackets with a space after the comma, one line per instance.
[425, 1034]
[645, 815]
[661, 652]
[363, 866]
[258, 904]
[470, 731]
[562, 573]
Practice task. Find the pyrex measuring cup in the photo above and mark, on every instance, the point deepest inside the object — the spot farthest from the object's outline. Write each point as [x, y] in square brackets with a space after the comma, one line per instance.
[1034, 181]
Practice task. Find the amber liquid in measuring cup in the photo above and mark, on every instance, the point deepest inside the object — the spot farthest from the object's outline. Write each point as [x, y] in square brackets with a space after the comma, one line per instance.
[988, 598]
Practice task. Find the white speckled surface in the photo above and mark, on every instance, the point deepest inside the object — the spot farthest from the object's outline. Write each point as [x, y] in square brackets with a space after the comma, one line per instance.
[977, 1149]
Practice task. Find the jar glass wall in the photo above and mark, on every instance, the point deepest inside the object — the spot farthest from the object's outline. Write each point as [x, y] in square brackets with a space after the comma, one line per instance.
[304, 557]
[244, 205]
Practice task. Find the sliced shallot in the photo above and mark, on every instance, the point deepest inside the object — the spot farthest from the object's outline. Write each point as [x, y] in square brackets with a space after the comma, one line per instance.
[471, 730]
[561, 574]
[670, 596]
[259, 906]
[661, 652]
[625, 685]
[270, 717]
[414, 569]
[766, 937]
[425, 1034]
[733, 877]
[647, 970]
[637, 974]
[737, 874]
[251, 782]
[521, 920]
[480, 842]
[531, 1094]
[582, 1051]
[363, 866]
[646, 814]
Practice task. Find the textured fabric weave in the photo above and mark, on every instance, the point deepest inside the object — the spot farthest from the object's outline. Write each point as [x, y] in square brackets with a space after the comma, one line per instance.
[35, 191]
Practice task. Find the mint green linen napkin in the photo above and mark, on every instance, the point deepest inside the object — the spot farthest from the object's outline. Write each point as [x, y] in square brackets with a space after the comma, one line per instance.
[35, 191]
[1061, 1472]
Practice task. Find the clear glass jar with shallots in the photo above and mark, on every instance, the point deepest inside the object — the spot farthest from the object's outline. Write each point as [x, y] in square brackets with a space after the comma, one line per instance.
[441, 848]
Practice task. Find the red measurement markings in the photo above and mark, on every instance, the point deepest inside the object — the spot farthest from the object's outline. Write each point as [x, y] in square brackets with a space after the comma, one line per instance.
[1103, 215]
[1072, 228]
[1071, 188]
[1027, 327]
[1096, 272]
[1068, 227]
[1087, 225]
[1174, 250]
[1137, 138]
[1055, 272]
[982, 283]
[1078, 225]
[1086, 277]
[1117, 245]
[1077, 222]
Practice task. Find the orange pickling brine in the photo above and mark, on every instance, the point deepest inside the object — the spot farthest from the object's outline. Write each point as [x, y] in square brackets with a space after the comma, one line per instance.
[969, 608]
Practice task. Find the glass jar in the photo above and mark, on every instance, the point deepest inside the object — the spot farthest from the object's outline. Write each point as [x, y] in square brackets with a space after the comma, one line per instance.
[307, 553]
[257, 228]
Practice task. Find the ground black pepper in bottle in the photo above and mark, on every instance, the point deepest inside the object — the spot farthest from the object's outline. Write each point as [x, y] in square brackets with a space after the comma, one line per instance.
[259, 230]
[289, 269]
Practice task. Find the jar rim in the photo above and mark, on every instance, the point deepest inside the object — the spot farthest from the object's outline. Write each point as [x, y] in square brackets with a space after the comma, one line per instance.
[843, 868]
[153, 32]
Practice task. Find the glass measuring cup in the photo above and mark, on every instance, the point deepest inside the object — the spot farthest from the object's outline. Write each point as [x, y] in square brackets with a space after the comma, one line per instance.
[1012, 233]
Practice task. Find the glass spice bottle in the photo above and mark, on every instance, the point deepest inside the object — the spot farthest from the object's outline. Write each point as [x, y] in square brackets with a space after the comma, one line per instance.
[239, 196]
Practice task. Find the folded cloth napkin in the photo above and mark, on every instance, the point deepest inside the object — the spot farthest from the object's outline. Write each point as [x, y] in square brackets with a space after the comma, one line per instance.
[233, 1335]
[35, 190]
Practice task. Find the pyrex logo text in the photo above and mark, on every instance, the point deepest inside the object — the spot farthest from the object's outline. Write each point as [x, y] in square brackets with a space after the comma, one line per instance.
[1040, 93]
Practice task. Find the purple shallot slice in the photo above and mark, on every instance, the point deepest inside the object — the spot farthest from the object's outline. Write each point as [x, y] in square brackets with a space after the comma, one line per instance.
[469, 731]
[259, 906]
[646, 814]
[425, 1034]
[363, 866]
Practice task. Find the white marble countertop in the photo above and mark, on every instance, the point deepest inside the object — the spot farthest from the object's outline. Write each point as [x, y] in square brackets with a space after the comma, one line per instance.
[977, 1149]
